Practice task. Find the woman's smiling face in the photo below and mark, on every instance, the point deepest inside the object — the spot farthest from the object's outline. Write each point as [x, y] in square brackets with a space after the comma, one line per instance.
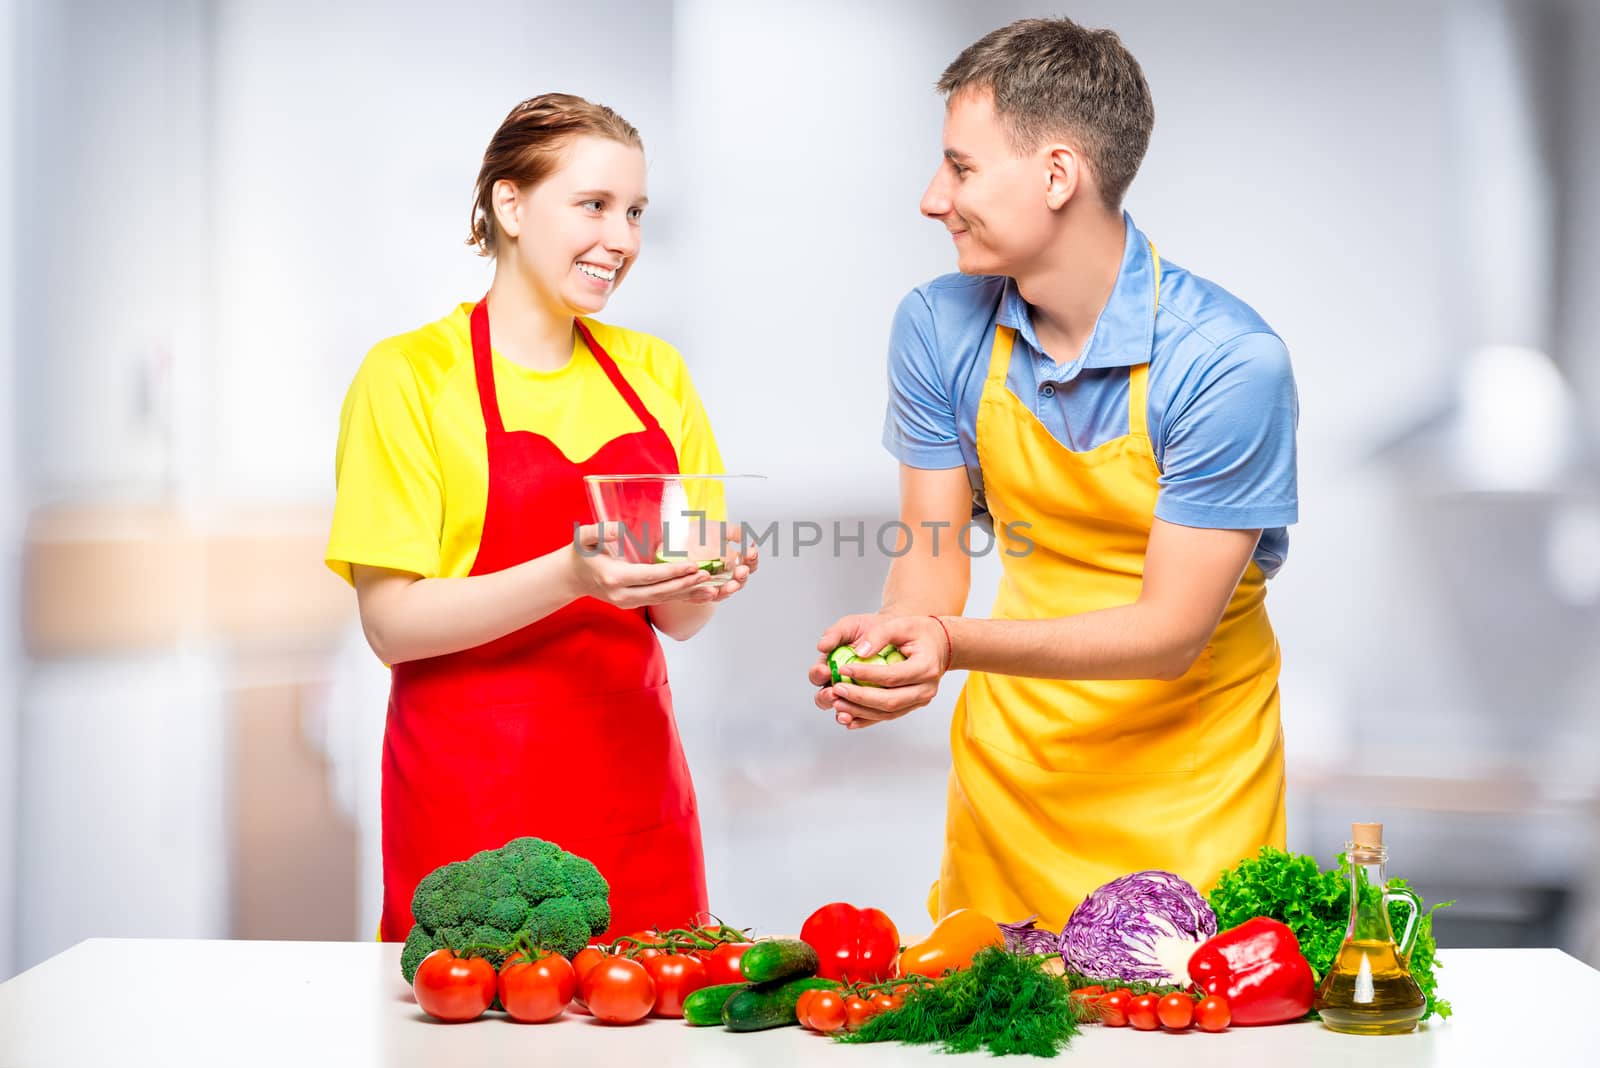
[577, 232]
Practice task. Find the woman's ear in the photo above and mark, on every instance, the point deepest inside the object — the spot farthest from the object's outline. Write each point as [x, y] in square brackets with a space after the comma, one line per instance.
[1063, 175]
[507, 201]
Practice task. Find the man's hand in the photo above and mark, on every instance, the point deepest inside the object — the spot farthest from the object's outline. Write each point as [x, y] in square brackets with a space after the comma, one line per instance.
[897, 688]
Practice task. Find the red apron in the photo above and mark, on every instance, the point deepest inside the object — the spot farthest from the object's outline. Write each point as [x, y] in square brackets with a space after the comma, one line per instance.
[562, 730]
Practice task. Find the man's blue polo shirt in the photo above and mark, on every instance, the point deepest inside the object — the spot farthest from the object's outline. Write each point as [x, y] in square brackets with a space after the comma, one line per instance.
[1222, 402]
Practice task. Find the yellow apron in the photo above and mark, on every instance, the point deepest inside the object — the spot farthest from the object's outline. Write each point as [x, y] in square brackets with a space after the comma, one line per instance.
[1057, 787]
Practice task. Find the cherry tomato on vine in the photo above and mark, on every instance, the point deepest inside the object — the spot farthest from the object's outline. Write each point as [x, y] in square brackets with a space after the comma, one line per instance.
[857, 1011]
[454, 989]
[1213, 1014]
[1176, 1012]
[619, 990]
[722, 966]
[1142, 1013]
[826, 1012]
[582, 964]
[887, 1002]
[1114, 1007]
[802, 1007]
[538, 990]
[676, 976]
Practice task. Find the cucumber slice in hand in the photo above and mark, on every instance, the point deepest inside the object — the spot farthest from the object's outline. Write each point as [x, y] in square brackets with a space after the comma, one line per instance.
[845, 655]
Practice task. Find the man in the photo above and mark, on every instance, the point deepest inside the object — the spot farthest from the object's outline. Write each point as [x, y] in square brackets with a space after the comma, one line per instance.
[1126, 429]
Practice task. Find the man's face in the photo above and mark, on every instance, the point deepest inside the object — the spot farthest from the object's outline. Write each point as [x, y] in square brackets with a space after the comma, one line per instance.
[991, 200]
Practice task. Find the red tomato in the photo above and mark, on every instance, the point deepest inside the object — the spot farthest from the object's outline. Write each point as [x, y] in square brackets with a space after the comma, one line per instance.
[619, 990]
[1142, 1012]
[452, 988]
[887, 1002]
[803, 1006]
[826, 1012]
[536, 991]
[586, 959]
[854, 945]
[1088, 997]
[649, 934]
[676, 977]
[1176, 1012]
[1114, 1007]
[858, 1011]
[1213, 1014]
[722, 966]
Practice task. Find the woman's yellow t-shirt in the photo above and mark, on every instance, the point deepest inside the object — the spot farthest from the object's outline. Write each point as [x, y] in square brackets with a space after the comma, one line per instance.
[412, 462]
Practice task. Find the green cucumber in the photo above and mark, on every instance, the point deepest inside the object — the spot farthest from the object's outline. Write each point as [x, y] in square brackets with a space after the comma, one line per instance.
[768, 1004]
[845, 655]
[710, 567]
[772, 959]
[703, 1008]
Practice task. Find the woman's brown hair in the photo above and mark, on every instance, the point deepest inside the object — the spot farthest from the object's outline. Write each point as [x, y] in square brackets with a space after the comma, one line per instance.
[527, 148]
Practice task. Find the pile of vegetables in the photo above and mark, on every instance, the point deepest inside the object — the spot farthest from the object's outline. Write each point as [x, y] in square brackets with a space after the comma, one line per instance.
[528, 887]
[511, 928]
[646, 974]
[1315, 904]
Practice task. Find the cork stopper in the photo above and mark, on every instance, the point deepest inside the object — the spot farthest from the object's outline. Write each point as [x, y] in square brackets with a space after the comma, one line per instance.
[1367, 834]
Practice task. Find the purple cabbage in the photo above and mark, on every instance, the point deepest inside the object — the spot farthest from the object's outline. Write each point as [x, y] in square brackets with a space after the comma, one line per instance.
[1141, 927]
[1025, 936]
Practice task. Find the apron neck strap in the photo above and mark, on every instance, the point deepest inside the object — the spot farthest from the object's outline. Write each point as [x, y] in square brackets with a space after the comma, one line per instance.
[1139, 374]
[483, 367]
[613, 372]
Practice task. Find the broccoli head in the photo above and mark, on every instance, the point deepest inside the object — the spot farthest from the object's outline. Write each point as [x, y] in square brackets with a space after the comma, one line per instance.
[559, 899]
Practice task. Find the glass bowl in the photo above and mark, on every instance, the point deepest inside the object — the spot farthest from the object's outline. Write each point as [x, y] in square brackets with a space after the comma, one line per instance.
[668, 518]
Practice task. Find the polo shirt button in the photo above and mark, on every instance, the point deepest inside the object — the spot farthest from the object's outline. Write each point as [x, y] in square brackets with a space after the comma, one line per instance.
[1048, 390]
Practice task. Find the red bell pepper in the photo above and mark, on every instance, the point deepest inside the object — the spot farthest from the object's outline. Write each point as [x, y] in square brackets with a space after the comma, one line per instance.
[853, 945]
[1259, 968]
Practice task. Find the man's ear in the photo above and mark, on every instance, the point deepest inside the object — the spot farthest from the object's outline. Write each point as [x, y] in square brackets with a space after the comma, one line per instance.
[1063, 174]
[507, 201]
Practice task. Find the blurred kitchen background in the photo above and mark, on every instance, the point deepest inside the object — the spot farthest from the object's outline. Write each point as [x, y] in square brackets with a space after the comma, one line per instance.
[215, 208]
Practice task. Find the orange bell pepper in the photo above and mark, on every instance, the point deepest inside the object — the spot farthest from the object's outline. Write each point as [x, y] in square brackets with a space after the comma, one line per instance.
[951, 944]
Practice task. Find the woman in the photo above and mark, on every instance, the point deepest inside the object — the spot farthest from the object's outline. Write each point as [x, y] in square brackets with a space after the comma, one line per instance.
[529, 692]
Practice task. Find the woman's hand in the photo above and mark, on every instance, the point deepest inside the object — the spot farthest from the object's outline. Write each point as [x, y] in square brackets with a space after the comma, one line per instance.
[897, 688]
[596, 573]
[741, 562]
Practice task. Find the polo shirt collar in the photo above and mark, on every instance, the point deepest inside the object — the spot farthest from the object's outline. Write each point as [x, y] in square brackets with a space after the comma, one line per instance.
[1125, 332]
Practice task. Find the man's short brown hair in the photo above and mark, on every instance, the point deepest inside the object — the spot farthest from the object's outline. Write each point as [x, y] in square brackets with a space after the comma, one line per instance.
[1054, 78]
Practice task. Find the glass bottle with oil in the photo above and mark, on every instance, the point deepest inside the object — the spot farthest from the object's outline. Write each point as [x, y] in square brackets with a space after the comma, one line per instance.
[1369, 989]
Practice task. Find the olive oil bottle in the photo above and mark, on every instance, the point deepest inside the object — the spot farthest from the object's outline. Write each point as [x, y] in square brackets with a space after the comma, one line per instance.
[1369, 989]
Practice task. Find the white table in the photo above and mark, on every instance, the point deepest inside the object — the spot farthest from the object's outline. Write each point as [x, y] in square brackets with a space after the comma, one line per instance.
[125, 1002]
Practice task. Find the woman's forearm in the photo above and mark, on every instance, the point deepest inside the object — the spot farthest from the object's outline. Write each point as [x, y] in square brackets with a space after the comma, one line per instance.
[681, 620]
[407, 618]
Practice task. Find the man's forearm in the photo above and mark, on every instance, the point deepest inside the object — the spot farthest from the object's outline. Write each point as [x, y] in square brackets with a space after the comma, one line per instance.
[1132, 641]
[925, 586]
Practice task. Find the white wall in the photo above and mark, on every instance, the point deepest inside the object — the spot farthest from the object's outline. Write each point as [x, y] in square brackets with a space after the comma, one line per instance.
[348, 138]
[10, 494]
